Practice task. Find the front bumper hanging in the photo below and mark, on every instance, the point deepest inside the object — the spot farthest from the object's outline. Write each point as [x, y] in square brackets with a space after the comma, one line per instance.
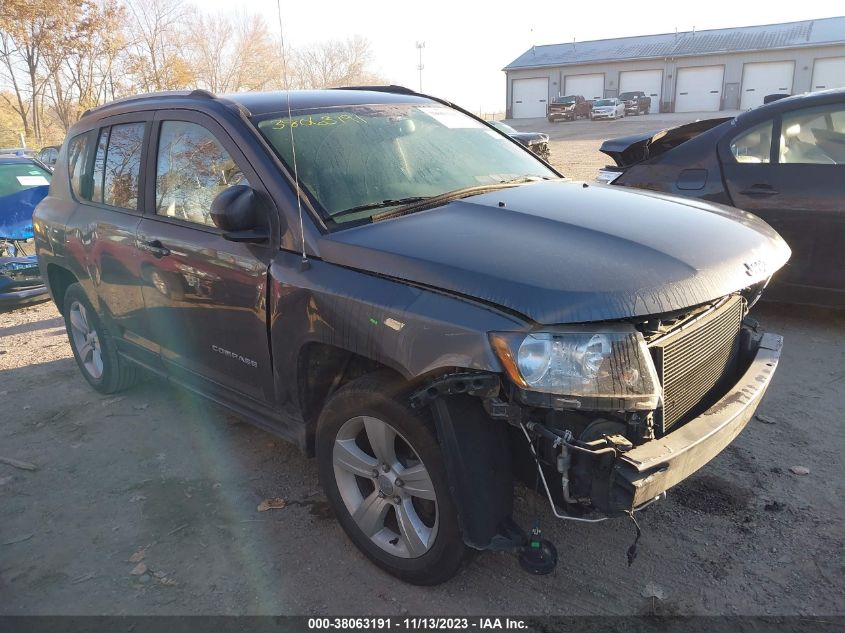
[641, 474]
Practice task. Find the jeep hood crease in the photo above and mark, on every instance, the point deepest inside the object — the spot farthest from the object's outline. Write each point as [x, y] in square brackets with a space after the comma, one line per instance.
[566, 252]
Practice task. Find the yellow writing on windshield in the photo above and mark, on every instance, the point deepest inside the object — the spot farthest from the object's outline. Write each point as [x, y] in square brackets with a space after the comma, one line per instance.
[320, 120]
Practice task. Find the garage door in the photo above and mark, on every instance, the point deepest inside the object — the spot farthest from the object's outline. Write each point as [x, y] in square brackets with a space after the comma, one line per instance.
[759, 80]
[699, 89]
[828, 73]
[649, 81]
[530, 97]
[588, 86]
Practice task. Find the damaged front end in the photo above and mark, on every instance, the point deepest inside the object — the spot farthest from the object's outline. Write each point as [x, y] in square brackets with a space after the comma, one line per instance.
[668, 404]
[616, 414]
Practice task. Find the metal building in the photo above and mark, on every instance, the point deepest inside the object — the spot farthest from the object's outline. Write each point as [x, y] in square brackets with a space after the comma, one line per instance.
[721, 69]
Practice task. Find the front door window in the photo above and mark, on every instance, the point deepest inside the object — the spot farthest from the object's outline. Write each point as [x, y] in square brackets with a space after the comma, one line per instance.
[192, 168]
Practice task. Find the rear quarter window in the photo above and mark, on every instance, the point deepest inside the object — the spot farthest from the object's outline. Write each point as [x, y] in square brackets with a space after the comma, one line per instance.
[753, 145]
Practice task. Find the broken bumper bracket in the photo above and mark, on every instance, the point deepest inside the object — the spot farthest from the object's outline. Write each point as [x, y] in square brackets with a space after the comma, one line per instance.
[472, 384]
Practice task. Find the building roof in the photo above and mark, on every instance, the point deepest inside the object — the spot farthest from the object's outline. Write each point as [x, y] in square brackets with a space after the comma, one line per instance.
[735, 40]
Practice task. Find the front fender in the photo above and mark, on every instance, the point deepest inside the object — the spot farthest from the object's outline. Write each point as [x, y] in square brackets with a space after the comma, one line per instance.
[411, 329]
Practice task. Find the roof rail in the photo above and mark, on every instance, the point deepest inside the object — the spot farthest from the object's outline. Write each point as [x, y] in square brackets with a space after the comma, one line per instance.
[199, 92]
[205, 94]
[402, 90]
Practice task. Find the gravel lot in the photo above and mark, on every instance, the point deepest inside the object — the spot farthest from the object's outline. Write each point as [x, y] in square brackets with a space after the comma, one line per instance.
[157, 477]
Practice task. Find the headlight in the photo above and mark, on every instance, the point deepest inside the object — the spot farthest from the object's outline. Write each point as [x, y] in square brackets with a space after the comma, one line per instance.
[611, 362]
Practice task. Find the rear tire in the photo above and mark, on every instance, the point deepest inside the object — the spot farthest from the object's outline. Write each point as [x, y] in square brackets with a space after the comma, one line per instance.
[93, 348]
[385, 477]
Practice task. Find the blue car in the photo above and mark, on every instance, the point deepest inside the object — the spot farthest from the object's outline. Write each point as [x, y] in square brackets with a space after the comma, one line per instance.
[24, 182]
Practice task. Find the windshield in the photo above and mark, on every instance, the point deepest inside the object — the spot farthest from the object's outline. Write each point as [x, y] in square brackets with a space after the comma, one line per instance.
[563, 100]
[15, 177]
[627, 96]
[354, 156]
[604, 102]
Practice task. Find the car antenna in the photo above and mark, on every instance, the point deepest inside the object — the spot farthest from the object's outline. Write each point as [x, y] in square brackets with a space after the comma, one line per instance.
[304, 264]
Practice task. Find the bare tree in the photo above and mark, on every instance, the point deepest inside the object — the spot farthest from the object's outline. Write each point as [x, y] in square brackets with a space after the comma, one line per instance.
[336, 63]
[28, 33]
[18, 100]
[230, 53]
[81, 68]
[61, 57]
[154, 54]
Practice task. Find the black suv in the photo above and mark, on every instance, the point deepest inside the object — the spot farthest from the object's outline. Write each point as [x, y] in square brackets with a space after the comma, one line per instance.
[408, 294]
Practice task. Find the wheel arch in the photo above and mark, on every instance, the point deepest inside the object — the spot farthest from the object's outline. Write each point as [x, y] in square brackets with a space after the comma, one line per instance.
[59, 279]
[322, 368]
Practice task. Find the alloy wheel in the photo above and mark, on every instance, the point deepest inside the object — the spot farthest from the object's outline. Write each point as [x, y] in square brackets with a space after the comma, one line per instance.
[385, 487]
[86, 340]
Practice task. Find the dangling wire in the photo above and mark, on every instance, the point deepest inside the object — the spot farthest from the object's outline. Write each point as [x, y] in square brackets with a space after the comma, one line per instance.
[290, 126]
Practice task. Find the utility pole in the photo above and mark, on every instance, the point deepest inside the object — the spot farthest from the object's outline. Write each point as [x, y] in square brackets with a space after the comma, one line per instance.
[420, 47]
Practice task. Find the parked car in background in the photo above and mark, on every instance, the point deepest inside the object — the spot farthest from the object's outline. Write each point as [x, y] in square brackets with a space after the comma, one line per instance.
[636, 102]
[48, 155]
[23, 184]
[784, 162]
[611, 108]
[537, 142]
[568, 108]
[423, 305]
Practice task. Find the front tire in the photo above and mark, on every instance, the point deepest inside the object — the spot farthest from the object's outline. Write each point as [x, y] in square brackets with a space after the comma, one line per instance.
[385, 477]
[93, 348]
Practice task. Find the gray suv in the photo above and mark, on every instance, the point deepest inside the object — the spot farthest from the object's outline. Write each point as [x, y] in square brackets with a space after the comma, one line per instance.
[414, 298]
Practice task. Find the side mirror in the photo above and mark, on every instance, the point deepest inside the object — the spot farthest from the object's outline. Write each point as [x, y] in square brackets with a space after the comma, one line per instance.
[235, 209]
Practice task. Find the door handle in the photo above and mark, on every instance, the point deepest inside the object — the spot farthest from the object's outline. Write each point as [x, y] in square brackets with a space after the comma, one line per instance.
[760, 190]
[155, 248]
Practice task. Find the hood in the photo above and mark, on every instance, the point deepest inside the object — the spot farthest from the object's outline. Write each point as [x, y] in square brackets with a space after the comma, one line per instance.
[627, 150]
[567, 252]
[16, 212]
[530, 138]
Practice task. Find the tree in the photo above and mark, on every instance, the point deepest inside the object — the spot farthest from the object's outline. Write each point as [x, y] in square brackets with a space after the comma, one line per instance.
[232, 53]
[59, 58]
[154, 54]
[29, 31]
[10, 122]
[81, 69]
[336, 63]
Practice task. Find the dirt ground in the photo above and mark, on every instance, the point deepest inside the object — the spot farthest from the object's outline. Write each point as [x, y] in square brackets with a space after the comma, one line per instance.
[146, 502]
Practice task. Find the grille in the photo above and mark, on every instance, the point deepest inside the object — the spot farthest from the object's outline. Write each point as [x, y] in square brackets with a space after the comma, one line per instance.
[691, 361]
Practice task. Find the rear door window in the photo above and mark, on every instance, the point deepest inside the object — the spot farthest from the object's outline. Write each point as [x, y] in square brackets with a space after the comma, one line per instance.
[116, 170]
[123, 166]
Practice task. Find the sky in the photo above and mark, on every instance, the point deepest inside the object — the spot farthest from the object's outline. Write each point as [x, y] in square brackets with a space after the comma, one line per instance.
[468, 43]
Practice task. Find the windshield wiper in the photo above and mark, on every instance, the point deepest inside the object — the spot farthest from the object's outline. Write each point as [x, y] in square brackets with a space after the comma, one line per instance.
[449, 196]
[521, 179]
[379, 205]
